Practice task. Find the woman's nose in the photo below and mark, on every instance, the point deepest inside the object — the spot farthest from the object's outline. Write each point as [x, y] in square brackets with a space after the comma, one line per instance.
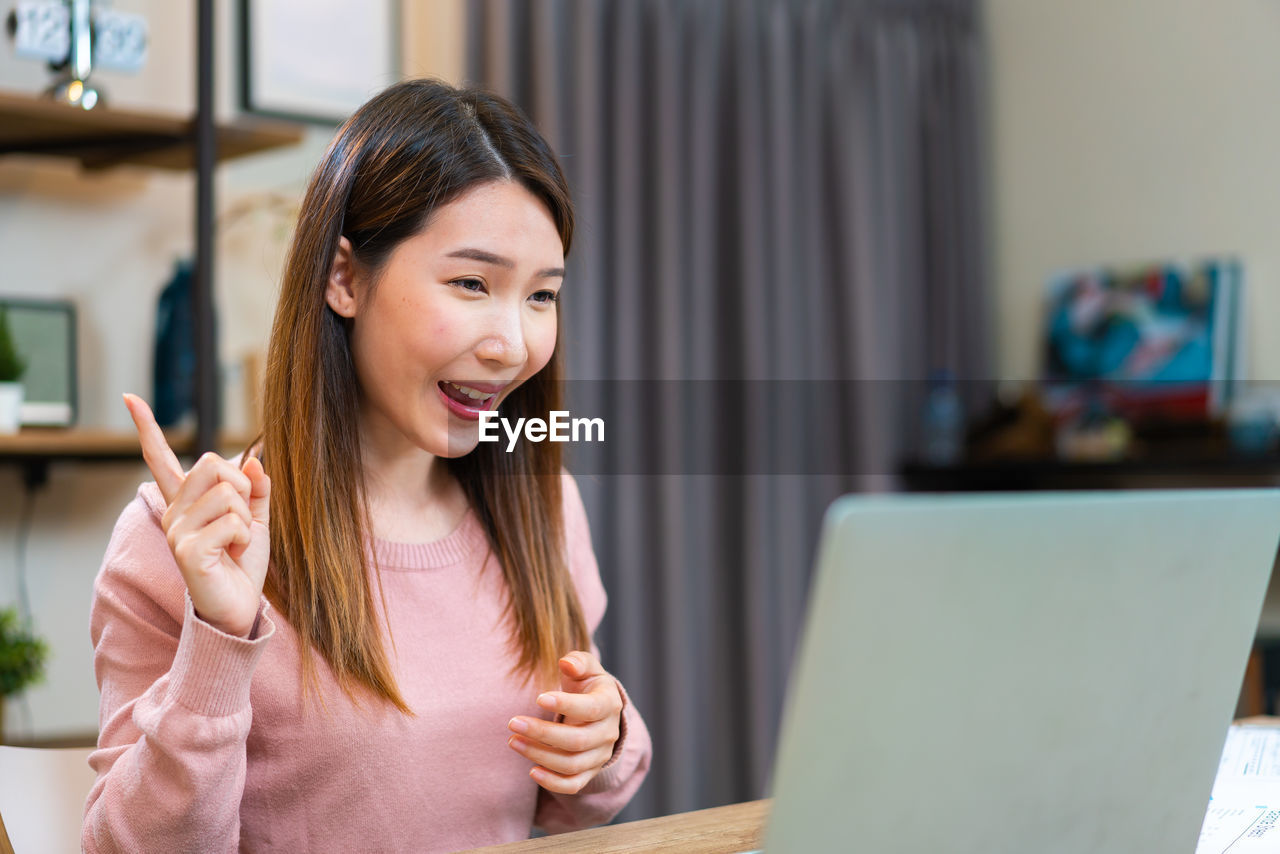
[503, 341]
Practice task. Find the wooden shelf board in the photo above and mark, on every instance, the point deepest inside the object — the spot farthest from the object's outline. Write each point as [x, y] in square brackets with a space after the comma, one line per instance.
[105, 137]
[91, 445]
[1193, 470]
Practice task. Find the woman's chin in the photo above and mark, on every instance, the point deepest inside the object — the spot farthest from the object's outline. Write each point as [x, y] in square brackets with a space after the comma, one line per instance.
[461, 441]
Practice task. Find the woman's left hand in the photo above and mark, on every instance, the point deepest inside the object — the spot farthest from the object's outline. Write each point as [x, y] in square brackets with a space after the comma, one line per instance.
[569, 753]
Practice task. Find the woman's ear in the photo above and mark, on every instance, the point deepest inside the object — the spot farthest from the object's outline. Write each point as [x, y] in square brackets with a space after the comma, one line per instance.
[340, 293]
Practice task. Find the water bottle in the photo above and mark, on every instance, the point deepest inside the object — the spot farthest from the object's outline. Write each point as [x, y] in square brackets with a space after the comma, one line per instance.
[943, 422]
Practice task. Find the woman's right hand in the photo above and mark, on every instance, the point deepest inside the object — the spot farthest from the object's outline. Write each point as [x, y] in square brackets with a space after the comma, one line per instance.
[216, 525]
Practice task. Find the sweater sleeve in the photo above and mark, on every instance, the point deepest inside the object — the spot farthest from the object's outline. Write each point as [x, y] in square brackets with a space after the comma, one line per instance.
[620, 778]
[174, 713]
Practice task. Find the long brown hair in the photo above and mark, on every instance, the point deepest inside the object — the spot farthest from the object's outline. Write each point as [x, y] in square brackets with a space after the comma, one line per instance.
[416, 146]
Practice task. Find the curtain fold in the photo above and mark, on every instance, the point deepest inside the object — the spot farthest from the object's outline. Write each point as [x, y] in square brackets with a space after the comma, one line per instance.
[776, 199]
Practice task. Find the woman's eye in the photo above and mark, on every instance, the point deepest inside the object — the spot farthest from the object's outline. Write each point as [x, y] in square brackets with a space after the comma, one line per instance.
[475, 286]
[546, 297]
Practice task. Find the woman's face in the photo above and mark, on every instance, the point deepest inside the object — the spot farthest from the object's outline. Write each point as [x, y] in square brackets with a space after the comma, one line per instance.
[462, 313]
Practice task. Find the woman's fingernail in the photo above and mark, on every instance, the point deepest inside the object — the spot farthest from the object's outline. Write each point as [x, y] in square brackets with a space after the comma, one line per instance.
[547, 701]
[517, 725]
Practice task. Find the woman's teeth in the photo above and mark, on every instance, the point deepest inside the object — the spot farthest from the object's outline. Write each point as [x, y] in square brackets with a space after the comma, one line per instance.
[471, 393]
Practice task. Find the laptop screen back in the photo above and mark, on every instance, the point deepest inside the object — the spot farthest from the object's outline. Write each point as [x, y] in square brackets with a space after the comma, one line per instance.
[1047, 673]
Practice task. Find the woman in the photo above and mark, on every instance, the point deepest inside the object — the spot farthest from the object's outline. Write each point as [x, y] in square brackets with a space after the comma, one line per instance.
[374, 634]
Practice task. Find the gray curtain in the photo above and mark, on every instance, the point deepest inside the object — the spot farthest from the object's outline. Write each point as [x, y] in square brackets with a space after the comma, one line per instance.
[780, 212]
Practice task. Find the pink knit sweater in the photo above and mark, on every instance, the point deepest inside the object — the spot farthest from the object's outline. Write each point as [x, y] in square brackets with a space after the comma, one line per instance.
[206, 744]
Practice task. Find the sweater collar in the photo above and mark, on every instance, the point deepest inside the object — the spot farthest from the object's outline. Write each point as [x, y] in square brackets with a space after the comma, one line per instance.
[466, 541]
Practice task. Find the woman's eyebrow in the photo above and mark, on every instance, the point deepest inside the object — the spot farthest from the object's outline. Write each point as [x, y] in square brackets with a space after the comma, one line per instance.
[482, 256]
[486, 257]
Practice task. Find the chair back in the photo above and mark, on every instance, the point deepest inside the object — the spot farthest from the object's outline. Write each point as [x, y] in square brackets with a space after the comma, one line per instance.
[42, 795]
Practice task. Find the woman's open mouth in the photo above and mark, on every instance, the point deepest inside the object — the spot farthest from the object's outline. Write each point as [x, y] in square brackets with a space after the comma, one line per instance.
[468, 401]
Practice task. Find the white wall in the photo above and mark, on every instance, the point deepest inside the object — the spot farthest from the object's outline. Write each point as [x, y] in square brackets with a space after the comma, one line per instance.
[108, 241]
[1131, 130]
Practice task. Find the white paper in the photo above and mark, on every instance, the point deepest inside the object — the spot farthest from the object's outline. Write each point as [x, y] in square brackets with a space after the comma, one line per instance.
[1244, 810]
[1252, 753]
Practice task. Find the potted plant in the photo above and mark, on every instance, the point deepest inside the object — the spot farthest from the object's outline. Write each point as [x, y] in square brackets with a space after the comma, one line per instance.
[22, 658]
[12, 366]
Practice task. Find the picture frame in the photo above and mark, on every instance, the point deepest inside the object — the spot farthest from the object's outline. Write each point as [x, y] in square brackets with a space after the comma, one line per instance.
[44, 333]
[1159, 339]
[281, 39]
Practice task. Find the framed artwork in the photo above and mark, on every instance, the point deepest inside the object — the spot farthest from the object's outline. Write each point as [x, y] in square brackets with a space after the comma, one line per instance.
[1159, 338]
[316, 60]
[44, 334]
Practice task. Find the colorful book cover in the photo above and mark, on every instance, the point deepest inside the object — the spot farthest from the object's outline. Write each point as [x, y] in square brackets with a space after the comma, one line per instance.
[1156, 340]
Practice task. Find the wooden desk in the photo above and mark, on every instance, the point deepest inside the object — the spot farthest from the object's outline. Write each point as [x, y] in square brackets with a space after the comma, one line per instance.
[720, 830]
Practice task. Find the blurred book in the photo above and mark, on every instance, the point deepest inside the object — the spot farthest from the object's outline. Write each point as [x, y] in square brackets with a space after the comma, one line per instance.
[1154, 341]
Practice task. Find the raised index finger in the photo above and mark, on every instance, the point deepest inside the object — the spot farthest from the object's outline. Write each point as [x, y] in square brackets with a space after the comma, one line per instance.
[159, 456]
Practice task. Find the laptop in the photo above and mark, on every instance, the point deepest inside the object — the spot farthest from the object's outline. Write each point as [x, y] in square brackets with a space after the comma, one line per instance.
[1047, 673]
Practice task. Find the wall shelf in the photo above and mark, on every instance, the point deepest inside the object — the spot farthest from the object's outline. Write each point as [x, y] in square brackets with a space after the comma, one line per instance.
[86, 445]
[1206, 470]
[33, 450]
[103, 137]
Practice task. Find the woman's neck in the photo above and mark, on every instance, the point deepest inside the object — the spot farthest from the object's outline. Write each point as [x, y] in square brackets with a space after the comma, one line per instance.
[411, 495]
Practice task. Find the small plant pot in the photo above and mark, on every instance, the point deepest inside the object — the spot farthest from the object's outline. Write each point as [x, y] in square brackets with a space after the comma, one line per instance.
[10, 407]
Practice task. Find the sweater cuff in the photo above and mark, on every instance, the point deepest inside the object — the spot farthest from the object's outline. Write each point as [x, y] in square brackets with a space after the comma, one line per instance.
[607, 777]
[212, 670]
